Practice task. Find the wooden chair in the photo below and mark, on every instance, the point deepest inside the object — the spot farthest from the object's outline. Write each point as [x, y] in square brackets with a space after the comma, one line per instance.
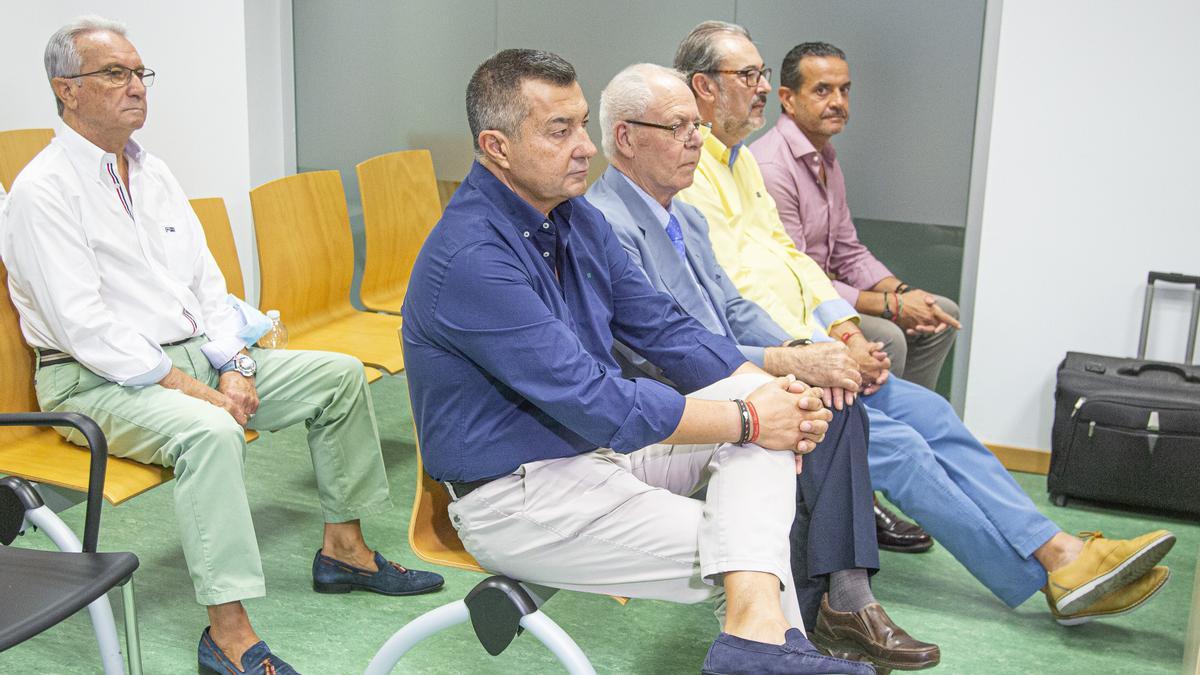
[219, 233]
[40, 454]
[17, 147]
[306, 261]
[497, 606]
[400, 206]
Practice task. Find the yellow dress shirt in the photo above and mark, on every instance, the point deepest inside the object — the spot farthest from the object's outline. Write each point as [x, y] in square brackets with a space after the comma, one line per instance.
[755, 250]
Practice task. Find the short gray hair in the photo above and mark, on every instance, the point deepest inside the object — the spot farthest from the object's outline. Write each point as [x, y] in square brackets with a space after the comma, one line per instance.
[494, 98]
[627, 96]
[62, 58]
[698, 52]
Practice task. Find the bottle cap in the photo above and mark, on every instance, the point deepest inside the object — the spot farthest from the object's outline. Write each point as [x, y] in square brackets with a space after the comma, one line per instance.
[272, 314]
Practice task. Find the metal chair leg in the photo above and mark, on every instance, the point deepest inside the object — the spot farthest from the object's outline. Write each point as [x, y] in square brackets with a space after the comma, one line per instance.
[100, 610]
[558, 642]
[493, 614]
[133, 642]
[433, 621]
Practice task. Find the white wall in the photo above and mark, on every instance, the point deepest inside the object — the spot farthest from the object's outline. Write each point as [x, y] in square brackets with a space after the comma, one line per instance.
[199, 114]
[1091, 182]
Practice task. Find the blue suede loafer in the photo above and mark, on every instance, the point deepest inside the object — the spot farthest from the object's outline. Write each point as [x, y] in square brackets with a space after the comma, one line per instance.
[335, 576]
[258, 660]
[731, 655]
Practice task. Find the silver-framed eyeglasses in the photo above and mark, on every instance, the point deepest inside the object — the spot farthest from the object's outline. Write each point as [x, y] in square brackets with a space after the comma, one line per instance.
[119, 76]
[682, 131]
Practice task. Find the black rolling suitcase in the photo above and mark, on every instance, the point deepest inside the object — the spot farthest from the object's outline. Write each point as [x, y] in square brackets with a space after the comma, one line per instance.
[1127, 431]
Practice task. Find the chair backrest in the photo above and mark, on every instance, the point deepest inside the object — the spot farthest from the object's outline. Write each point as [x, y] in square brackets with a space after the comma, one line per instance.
[400, 206]
[17, 147]
[219, 233]
[431, 535]
[305, 249]
[16, 366]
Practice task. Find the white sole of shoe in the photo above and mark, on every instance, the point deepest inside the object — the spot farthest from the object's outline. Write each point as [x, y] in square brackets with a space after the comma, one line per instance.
[1132, 568]
[1087, 618]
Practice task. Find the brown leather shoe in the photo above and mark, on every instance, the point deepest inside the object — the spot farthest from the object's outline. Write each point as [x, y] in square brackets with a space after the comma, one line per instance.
[871, 632]
[901, 536]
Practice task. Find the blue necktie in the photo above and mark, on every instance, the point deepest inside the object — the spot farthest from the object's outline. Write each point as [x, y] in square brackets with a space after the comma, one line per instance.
[675, 234]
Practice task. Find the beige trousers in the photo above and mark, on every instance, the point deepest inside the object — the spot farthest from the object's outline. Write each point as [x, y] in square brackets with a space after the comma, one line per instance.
[624, 524]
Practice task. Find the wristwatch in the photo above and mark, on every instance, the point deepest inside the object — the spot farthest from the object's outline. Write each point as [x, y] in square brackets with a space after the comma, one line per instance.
[242, 364]
[887, 311]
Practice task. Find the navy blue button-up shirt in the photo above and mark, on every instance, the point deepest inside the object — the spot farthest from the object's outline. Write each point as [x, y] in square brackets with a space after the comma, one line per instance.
[509, 322]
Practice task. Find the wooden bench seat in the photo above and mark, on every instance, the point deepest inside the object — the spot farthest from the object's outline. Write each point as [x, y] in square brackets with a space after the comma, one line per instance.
[46, 457]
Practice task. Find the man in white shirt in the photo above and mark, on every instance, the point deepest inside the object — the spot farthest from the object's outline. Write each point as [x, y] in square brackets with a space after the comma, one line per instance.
[129, 314]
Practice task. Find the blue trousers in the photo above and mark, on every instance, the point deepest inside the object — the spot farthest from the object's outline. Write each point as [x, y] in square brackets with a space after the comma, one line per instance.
[926, 462]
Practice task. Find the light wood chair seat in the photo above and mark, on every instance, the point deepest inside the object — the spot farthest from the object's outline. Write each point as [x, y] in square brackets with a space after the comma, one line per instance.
[400, 206]
[306, 261]
[43, 456]
[17, 147]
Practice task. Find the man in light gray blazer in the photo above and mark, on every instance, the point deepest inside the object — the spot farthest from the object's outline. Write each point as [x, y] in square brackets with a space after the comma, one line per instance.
[652, 137]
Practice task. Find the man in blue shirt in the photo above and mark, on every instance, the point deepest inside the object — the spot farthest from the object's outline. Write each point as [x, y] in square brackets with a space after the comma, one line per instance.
[564, 473]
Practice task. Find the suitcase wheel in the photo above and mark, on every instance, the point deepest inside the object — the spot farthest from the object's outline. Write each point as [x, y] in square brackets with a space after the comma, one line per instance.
[1058, 499]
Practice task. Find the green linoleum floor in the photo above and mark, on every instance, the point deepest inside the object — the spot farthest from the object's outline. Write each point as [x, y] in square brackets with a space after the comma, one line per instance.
[930, 595]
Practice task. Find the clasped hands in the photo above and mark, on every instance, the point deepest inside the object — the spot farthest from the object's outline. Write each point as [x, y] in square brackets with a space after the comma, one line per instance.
[921, 314]
[791, 416]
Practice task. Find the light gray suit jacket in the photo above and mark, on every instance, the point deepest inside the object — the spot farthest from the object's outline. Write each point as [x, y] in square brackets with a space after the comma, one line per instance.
[644, 237]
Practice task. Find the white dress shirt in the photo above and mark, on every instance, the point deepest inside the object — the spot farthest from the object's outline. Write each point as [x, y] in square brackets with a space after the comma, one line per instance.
[105, 276]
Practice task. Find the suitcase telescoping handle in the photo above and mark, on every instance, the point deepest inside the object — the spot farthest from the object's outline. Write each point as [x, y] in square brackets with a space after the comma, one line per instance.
[1171, 278]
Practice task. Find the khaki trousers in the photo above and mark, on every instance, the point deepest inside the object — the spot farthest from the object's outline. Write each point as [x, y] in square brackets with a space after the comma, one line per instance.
[206, 448]
[617, 524]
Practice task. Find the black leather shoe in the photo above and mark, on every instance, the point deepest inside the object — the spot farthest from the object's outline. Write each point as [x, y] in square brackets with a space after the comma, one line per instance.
[899, 535]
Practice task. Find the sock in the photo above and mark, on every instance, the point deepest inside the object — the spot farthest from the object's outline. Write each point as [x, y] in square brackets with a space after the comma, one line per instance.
[850, 590]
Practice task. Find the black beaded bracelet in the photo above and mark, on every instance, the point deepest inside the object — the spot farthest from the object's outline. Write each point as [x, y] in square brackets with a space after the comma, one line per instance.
[747, 426]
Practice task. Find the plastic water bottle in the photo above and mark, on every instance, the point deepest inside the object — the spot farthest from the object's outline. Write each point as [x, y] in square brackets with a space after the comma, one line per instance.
[277, 336]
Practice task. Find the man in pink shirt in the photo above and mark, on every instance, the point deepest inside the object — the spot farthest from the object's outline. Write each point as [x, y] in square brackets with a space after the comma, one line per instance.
[802, 174]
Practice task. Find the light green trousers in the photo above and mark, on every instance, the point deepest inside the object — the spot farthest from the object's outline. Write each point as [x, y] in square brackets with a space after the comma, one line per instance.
[206, 448]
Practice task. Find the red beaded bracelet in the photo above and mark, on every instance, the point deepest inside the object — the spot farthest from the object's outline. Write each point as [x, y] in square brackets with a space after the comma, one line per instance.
[754, 423]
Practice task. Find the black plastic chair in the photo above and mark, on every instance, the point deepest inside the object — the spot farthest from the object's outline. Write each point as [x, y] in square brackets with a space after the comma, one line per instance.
[38, 589]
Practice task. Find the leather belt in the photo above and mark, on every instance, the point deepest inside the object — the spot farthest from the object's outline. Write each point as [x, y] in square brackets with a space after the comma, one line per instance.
[53, 357]
[459, 490]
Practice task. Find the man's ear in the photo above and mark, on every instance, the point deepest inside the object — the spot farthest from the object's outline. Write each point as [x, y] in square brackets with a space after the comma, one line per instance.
[704, 87]
[495, 146]
[785, 99]
[622, 141]
[64, 90]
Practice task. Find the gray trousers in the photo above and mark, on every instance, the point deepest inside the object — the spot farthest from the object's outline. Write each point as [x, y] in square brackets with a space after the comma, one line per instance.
[623, 524]
[918, 358]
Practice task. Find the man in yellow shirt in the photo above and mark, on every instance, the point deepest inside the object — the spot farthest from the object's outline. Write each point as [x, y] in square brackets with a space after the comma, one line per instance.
[920, 453]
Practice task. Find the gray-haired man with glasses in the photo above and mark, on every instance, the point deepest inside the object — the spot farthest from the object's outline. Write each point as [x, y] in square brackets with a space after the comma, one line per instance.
[133, 326]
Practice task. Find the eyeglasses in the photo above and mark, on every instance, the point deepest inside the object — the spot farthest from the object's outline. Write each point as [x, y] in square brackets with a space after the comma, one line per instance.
[749, 75]
[119, 76]
[683, 131]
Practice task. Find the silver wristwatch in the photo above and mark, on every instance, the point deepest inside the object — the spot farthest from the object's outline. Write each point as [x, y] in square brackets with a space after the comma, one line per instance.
[244, 365]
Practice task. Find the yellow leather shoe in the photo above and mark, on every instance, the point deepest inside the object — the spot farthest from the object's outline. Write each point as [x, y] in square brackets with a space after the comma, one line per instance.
[1121, 601]
[1103, 566]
